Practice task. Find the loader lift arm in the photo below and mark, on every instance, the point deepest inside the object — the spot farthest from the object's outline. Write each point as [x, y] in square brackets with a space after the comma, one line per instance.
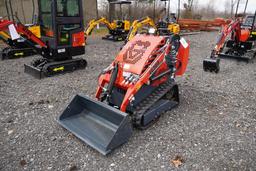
[137, 24]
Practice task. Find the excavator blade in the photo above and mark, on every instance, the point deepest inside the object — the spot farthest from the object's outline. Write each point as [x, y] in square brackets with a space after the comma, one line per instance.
[99, 125]
[211, 64]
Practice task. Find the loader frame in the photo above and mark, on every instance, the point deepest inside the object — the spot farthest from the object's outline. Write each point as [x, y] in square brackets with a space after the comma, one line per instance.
[133, 91]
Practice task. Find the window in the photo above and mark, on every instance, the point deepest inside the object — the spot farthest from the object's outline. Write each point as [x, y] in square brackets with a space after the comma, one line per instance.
[67, 8]
[46, 18]
[249, 21]
[45, 6]
[64, 33]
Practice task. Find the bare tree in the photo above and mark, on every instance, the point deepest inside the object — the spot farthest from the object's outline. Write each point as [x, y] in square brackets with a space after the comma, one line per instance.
[211, 9]
[227, 7]
[188, 9]
[233, 3]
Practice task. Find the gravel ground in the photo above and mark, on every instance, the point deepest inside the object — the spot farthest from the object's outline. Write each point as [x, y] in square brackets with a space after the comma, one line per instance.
[214, 127]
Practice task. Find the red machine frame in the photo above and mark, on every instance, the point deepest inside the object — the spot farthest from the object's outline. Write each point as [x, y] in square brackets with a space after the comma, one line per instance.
[155, 66]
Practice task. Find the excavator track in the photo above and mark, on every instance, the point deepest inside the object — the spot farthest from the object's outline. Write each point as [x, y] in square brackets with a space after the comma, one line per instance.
[41, 67]
[148, 102]
[13, 53]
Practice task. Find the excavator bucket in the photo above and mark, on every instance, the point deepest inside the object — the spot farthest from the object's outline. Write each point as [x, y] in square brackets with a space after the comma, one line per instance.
[211, 64]
[99, 125]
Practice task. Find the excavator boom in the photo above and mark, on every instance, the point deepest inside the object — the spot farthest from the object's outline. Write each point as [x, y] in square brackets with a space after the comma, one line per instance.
[22, 30]
[22, 44]
[137, 24]
[93, 23]
[227, 30]
[212, 63]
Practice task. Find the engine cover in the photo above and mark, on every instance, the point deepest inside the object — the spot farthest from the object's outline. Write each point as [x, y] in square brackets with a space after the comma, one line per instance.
[136, 53]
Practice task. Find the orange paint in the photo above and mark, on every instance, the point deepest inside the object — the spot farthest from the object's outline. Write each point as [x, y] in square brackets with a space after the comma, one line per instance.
[182, 57]
[78, 39]
[245, 35]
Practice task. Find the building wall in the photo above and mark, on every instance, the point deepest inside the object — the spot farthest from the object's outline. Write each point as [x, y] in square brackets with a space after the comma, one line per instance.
[2, 8]
[90, 9]
[24, 9]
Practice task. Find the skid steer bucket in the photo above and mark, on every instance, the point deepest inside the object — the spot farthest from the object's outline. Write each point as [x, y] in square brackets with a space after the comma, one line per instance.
[211, 64]
[99, 125]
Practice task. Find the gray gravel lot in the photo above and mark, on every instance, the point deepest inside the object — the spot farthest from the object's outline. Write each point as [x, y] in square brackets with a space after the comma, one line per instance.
[214, 127]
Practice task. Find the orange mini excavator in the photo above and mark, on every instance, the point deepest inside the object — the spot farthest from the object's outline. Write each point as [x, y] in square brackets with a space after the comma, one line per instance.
[135, 89]
[237, 40]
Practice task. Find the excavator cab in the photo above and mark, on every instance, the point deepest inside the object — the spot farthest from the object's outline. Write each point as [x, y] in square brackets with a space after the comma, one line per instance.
[168, 25]
[166, 28]
[118, 29]
[61, 23]
[162, 28]
[122, 26]
[250, 23]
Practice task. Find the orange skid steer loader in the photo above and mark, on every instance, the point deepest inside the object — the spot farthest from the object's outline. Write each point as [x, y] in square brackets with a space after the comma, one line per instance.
[134, 90]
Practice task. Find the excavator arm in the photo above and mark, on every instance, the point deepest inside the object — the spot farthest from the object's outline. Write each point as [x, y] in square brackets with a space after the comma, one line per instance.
[237, 35]
[137, 24]
[227, 30]
[93, 23]
[22, 30]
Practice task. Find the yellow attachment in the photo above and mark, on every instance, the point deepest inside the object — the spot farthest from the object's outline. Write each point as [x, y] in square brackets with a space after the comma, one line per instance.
[253, 33]
[4, 35]
[19, 54]
[35, 30]
[127, 25]
[59, 69]
[174, 28]
[114, 24]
